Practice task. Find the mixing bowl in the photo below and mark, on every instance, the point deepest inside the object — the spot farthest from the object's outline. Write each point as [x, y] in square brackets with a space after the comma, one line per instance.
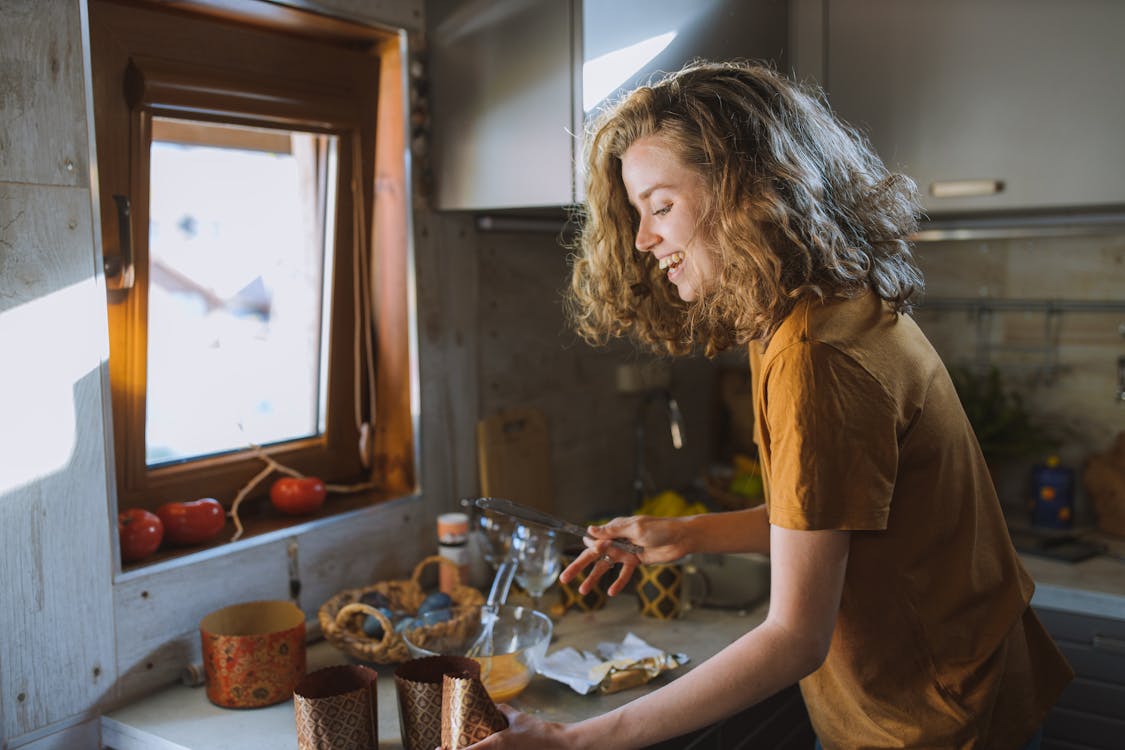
[520, 637]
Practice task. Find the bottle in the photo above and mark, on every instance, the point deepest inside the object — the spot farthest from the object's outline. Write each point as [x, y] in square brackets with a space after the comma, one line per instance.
[453, 537]
[1053, 502]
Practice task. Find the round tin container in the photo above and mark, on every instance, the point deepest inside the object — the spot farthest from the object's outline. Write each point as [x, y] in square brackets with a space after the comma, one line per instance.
[253, 653]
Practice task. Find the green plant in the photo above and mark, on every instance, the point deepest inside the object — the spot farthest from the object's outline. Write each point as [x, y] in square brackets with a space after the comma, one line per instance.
[1003, 426]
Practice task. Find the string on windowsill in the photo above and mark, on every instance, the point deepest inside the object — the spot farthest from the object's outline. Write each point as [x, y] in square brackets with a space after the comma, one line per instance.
[364, 349]
[273, 465]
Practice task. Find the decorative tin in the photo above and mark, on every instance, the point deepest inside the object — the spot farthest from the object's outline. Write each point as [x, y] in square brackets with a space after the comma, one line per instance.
[253, 653]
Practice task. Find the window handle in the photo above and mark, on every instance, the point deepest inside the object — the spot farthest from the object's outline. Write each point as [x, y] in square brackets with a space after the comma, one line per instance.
[119, 268]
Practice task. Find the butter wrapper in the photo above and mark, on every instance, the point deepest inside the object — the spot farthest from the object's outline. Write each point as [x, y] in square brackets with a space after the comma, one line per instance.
[620, 674]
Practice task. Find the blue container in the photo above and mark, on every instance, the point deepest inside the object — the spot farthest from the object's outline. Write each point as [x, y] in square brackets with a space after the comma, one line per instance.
[1053, 501]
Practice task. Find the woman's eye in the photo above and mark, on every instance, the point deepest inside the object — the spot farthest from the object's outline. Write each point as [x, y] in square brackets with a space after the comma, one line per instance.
[662, 210]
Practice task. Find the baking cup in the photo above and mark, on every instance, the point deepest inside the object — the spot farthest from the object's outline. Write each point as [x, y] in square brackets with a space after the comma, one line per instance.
[336, 708]
[253, 653]
[424, 716]
[468, 714]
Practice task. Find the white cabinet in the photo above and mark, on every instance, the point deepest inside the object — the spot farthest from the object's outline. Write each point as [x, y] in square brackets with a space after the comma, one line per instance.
[513, 81]
[990, 105]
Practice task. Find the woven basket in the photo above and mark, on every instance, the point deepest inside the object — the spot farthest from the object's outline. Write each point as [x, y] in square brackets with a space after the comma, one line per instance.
[341, 617]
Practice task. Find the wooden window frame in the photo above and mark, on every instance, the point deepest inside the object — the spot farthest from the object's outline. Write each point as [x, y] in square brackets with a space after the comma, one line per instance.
[326, 77]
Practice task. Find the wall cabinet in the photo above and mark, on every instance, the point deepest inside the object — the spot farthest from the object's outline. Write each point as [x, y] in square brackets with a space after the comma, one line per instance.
[991, 106]
[1090, 713]
[514, 80]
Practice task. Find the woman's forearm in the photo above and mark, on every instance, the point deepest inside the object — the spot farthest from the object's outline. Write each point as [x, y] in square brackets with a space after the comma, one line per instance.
[734, 531]
[761, 663]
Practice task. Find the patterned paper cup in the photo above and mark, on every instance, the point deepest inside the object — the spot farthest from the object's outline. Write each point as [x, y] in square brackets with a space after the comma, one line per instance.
[420, 687]
[253, 653]
[336, 708]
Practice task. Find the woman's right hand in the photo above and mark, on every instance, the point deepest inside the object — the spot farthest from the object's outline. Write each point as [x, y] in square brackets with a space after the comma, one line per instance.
[663, 540]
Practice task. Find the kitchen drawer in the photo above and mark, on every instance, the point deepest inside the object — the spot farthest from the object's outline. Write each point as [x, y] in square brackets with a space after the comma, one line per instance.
[1095, 697]
[1094, 646]
[1082, 729]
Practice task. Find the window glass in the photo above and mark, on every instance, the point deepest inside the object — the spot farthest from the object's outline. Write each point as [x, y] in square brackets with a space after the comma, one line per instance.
[240, 252]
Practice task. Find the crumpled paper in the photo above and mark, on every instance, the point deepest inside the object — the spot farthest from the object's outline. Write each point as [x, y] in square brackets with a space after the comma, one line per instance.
[615, 666]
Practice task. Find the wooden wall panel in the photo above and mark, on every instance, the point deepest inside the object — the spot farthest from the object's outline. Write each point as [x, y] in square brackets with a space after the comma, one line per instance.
[55, 607]
[158, 612]
[43, 136]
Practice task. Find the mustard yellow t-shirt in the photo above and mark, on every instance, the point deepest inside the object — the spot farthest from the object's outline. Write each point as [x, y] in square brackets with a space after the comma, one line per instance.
[935, 646]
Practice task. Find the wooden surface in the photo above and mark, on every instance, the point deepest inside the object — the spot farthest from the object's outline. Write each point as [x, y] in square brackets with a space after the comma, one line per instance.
[56, 652]
[514, 448]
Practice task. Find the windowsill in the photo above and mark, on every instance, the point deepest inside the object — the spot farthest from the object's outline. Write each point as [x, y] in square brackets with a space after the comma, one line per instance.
[261, 525]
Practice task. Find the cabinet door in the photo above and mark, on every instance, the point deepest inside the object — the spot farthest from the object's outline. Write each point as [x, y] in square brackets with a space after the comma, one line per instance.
[503, 103]
[1090, 713]
[1025, 93]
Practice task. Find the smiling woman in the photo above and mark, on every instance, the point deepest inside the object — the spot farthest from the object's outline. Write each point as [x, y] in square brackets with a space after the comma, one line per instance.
[237, 159]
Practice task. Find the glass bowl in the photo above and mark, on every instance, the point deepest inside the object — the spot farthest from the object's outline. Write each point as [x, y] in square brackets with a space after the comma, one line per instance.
[520, 637]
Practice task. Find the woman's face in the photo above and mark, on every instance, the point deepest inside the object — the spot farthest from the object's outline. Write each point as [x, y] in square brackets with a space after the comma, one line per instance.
[669, 198]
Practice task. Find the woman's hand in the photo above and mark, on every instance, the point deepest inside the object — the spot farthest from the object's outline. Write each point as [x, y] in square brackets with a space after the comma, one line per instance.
[525, 731]
[663, 539]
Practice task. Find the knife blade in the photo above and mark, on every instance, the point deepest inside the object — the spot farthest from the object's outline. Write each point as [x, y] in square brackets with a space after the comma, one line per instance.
[546, 520]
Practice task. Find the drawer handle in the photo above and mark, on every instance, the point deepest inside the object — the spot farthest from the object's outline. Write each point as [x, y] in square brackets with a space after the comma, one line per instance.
[965, 188]
[1108, 643]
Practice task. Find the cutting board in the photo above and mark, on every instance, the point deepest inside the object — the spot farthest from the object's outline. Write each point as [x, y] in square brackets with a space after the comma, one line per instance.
[514, 457]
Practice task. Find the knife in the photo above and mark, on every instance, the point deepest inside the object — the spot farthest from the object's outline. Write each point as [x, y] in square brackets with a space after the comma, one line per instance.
[546, 520]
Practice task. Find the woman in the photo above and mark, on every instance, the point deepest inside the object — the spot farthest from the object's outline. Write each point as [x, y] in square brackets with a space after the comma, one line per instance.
[725, 205]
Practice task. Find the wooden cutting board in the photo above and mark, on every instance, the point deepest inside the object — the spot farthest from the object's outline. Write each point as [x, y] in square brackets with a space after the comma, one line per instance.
[514, 457]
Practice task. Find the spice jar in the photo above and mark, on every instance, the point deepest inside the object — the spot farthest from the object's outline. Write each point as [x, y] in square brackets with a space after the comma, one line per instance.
[453, 538]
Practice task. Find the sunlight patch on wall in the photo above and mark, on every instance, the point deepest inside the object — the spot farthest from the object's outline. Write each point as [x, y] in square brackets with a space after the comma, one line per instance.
[51, 343]
[603, 75]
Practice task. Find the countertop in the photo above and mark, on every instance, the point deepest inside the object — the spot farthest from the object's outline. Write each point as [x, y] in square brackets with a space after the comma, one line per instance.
[181, 718]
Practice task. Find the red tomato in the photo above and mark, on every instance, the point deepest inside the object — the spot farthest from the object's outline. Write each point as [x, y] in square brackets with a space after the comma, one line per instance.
[140, 533]
[194, 522]
[298, 497]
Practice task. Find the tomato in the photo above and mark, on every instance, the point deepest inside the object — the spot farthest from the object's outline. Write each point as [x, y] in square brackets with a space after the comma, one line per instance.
[193, 522]
[140, 533]
[298, 497]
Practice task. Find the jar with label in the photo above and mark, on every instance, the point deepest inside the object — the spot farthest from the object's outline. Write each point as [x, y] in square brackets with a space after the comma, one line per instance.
[453, 538]
[1053, 501]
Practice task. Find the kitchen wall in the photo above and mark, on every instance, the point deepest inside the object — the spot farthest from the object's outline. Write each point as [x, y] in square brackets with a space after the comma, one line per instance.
[1064, 368]
[530, 357]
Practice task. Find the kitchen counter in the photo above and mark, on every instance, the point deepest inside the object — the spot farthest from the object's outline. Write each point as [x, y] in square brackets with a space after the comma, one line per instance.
[181, 718]
[1092, 587]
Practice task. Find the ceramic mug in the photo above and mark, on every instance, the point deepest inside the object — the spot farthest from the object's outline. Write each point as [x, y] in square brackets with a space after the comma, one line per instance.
[666, 591]
[572, 598]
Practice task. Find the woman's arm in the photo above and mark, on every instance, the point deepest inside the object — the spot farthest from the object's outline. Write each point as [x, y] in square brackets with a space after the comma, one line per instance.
[807, 577]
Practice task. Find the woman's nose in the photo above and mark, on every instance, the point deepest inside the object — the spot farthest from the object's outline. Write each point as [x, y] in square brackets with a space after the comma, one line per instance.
[646, 238]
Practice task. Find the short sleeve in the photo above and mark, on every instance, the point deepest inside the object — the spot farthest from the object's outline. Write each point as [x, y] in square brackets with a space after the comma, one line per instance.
[829, 439]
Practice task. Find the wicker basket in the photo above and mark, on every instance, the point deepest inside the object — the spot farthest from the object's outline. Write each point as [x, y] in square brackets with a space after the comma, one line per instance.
[341, 617]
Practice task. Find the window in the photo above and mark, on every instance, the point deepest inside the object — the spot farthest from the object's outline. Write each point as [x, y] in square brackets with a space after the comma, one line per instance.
[256, 281]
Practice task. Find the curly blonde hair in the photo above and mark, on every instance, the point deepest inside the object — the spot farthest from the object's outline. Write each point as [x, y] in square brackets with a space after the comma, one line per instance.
[797, 204]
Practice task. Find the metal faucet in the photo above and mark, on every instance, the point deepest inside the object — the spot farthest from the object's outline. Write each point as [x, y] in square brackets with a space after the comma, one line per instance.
[641, 481]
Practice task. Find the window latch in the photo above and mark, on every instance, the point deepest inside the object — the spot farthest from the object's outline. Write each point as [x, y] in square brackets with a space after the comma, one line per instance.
[119, 268]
